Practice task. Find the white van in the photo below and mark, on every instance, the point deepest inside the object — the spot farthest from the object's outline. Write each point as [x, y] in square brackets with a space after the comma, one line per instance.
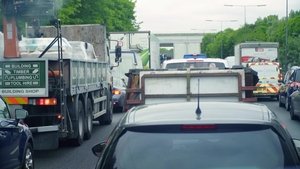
[269, 74]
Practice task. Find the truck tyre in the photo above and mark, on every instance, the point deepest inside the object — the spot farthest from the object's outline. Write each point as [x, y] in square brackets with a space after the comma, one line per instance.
[79, 125]
[28, 160]
[88, 120]
[106, 119]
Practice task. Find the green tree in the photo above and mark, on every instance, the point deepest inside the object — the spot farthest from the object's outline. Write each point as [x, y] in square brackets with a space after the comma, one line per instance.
[117, 15]
[270, 28]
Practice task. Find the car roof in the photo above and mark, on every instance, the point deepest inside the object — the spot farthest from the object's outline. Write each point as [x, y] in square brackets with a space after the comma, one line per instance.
[195, 59]
[191, 60]
[212, 112]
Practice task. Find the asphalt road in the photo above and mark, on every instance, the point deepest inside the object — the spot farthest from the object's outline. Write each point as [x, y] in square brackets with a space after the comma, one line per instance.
[293, 126]
[67, 157]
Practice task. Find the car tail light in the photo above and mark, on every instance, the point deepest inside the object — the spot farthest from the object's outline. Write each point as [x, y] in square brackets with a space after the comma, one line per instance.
[46, 101]
[116, 92]
[199, 127]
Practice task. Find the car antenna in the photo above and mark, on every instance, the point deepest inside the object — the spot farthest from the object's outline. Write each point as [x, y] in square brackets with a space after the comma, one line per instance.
[198, 110]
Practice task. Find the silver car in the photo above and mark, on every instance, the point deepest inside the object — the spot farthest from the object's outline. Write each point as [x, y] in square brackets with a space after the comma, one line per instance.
[214, 135]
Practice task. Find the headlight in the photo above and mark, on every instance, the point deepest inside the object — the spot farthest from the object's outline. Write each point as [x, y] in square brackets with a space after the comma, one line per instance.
[116, 92]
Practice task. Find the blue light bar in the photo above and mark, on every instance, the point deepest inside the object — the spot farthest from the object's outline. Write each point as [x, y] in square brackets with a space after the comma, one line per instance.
[188, 56]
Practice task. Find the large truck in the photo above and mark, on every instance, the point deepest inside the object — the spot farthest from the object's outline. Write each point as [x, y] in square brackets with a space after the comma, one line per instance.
[60, 80]
[255, 51]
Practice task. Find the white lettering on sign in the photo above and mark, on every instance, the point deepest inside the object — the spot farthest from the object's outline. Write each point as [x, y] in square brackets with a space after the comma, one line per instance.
[12, 91]
[24, 92]
[21, 66]
[32, 91]
[20, 71]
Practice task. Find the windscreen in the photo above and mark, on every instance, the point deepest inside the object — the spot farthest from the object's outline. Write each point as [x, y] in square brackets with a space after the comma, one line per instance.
[258, 149]
[185, 65]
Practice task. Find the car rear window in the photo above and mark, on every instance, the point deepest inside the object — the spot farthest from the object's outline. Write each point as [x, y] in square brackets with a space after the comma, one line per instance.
[197, 148]
[185, 65]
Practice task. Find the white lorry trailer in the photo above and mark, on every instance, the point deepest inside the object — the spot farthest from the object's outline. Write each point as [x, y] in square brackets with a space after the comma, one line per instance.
[65, 87]
[255, 51]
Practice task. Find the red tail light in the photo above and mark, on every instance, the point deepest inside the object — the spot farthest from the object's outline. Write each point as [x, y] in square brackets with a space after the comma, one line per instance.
[46, 102]
[199, 127]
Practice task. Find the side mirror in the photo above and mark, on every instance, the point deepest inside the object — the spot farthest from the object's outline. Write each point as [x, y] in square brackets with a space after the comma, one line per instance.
[98, 149]
[21, 113]
[118, 53]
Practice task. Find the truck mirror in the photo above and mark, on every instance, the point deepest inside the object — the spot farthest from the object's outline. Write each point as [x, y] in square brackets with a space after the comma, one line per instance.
[118, 53]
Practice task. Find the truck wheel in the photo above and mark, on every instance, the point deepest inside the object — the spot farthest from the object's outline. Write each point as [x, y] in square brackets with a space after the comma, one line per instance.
[79, 127]
[28, 161]
[106, 119]
[88, 120]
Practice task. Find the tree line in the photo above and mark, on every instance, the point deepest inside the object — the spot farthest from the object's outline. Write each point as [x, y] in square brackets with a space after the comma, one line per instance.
[268, 29]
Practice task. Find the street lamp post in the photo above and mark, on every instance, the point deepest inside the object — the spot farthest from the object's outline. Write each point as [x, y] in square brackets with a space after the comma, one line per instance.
[245, 9]
[221, 22]
[286, 34]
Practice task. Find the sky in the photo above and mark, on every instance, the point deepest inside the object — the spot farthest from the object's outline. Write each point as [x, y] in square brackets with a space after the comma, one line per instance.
[190, 16]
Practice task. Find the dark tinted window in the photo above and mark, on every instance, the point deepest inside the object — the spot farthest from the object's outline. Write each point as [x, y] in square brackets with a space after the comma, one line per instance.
[243, 149]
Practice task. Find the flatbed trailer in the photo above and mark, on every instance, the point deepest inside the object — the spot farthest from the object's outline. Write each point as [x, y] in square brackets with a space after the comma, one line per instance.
[157, 86]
